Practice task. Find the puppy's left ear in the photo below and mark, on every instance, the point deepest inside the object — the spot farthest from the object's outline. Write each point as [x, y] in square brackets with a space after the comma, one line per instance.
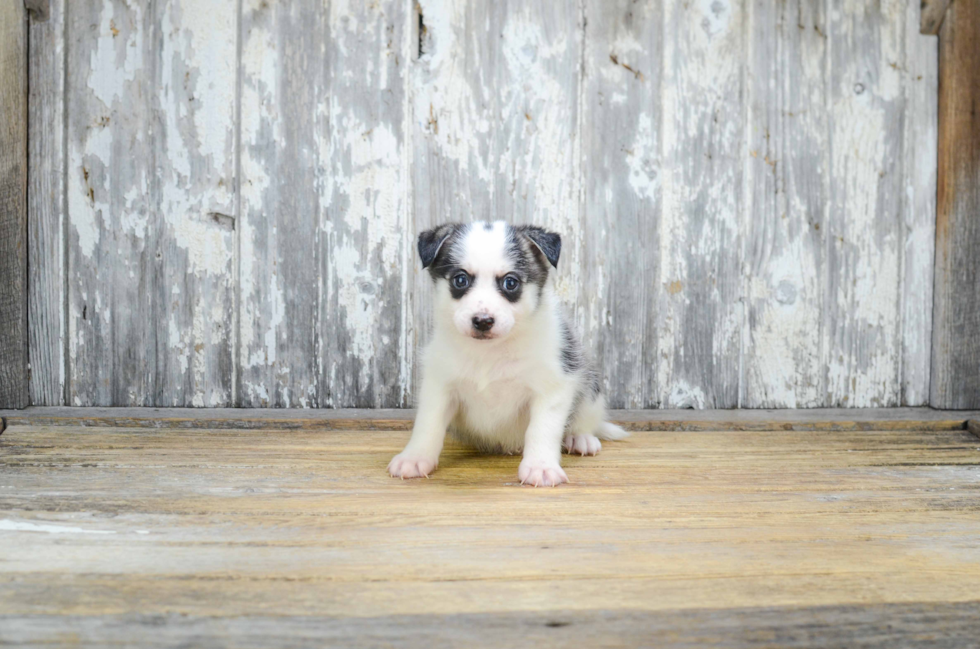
[549, 243]
[430, 242]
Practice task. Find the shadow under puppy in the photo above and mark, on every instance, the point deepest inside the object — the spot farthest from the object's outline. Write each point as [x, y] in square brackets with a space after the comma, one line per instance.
[503, 371]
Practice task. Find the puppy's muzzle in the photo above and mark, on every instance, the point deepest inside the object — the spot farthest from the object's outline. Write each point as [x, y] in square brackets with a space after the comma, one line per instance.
[483, 323]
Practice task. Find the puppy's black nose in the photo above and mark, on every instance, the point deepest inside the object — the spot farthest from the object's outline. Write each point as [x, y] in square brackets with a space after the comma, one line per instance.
[482, 322]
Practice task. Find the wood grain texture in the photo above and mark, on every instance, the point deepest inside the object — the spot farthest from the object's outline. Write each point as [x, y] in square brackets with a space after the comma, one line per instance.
[731, 533]
[788, 163]
[46, 208]
[956, 315]
[864, 247]
[151, 98]
[918, 222]
[366, 246]
[933, 12]
[622, 192]
[937, 625]
[281, 98]
[814, 300]
[13, 206]
[700, 315]
[325, 234]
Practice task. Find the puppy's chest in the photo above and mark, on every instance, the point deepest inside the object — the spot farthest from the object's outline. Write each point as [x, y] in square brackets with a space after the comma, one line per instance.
[496, 394]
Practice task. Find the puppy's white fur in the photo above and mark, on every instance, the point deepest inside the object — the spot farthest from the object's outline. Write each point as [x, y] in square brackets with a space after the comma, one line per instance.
[505, 390]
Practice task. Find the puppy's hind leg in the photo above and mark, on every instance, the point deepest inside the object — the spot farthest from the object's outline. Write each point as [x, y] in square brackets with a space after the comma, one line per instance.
[588, 426]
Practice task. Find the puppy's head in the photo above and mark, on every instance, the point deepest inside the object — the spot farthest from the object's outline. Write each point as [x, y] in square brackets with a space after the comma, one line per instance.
[488, 275]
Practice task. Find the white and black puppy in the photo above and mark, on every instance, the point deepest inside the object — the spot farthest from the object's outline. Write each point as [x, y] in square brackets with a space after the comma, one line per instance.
[503, 372]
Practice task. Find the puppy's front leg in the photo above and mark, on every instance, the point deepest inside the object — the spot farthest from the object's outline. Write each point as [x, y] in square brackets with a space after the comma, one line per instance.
[421, 454]
[541, 465]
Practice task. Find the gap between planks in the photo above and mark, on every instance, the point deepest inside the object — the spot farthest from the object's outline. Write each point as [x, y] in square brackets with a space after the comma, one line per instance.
[820, 419]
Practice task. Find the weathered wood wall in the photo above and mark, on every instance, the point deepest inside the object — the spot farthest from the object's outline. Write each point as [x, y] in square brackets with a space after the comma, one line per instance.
[13, 206]
[227, 193]
[956, 337]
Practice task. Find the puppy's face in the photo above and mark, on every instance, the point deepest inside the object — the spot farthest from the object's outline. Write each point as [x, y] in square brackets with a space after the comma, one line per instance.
[488, 275]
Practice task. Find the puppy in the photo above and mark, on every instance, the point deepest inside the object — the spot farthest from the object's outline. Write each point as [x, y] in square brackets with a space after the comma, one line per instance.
[503, 372]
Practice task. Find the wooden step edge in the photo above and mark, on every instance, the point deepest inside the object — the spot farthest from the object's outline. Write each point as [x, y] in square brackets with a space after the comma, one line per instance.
[401, 420]
[973, 425]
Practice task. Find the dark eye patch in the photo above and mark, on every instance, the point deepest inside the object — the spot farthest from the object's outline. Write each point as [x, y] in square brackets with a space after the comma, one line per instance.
[459, 283]
[510, 286]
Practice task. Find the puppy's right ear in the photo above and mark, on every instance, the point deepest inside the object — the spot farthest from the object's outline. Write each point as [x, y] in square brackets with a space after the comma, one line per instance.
[430, 242]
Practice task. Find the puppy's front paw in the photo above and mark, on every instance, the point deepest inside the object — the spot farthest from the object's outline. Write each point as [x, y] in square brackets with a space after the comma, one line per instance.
[582, 444]
[411, 465]
[541, 473]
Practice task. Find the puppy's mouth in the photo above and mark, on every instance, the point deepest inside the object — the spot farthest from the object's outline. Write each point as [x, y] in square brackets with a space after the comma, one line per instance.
[483, 335]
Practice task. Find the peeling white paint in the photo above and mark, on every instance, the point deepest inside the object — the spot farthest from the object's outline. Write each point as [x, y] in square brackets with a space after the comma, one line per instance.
[204, 74]
[644, 159]
[863, 352]
[702, 124]
[259, 286]
[446, 108]
[715, 16]
[683, 395]
[490, 122]
[374, 192]
[118, 49]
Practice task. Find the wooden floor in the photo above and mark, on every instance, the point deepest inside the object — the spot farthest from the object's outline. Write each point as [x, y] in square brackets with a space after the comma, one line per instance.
[297, 538]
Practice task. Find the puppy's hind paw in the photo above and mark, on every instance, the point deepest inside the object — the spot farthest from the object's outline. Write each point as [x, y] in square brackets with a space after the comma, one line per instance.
[582, 444]
[537, 473]
[410, 465]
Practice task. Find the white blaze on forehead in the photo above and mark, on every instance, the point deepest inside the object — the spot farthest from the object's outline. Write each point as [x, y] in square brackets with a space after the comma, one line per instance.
[485, 250]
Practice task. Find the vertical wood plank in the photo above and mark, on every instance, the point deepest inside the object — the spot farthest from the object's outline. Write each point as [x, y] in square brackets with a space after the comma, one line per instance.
[150, 177]
[703, 145]
[283, 48]
[453, 97]
[921, 78]
[46, 208]
[787, 163]
[956, 318]
[495, 111]
[13, 206]
[864, 245]
[196, 151]
[110, 242]
[621, 159]
[326, 230]
[365, 245]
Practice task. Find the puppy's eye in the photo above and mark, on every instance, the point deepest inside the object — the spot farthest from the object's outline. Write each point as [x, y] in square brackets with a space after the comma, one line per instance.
[461, 280]
[511, 283]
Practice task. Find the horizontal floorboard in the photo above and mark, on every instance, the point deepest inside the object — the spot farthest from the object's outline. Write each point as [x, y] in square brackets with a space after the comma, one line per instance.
[401, 419]
[850, 538]
[924, 625]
